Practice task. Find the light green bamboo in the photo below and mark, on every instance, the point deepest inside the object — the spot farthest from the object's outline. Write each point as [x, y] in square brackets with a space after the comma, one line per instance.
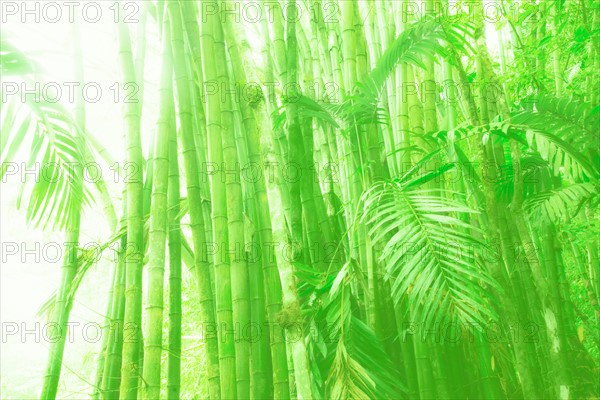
[289, 319]
[175, 277]
[295, 143]
[135, 230]
[158, 229]
[188, 148]
[104, 347]
[212, 67]
[112, 368]
[242, 65]
[240, 291]
[290, 315]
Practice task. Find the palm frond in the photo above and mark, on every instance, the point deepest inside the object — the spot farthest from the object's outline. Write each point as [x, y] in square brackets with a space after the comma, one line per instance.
[58, 158]
[430, 254]
[308, 108]
[536, 177]
[422, 40]
[349, 379]
[358, 367]
[564, 132]
[58, 148]
[342, 348]
[419, 41]
[13, 62]
[560, 205]
[425, 39]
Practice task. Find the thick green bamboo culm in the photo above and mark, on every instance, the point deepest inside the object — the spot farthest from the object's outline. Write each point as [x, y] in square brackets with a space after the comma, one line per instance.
[383, 199]
[104, 349]
[197, 222]
[112, 367]
[272, 285]
[240, 291]
[175, 274]
[134, 252]
[158, 227]
[211, 46]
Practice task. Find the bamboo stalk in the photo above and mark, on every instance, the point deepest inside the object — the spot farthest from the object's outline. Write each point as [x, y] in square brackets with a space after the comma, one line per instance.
[201, 266]
[215, 131]
[175, 278]
[158, 228]
[135, 231]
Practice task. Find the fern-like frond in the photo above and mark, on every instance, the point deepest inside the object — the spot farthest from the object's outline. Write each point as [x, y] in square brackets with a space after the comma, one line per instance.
[349, 379]
[560, 205]
[422, 40]
[425, 39]
[308, 108]
[429, 253]
[13, 62]
[57, 153]
[564, 132]
[343, 349]
[358, 366]
[58, 159]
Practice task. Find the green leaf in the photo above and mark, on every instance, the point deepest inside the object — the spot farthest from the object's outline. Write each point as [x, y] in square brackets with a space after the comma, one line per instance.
[430, 254]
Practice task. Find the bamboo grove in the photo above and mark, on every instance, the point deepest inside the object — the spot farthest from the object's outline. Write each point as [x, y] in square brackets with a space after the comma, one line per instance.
[364, 199]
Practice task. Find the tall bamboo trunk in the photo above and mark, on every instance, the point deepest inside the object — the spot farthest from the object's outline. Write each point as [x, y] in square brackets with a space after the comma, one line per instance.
[135, 230]
[240, 296]
[158, 228]
[104, 347]
[272, 284]
[212, 67]
[188, 147]
[175, 278]
[112, 367]
[289, 318]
